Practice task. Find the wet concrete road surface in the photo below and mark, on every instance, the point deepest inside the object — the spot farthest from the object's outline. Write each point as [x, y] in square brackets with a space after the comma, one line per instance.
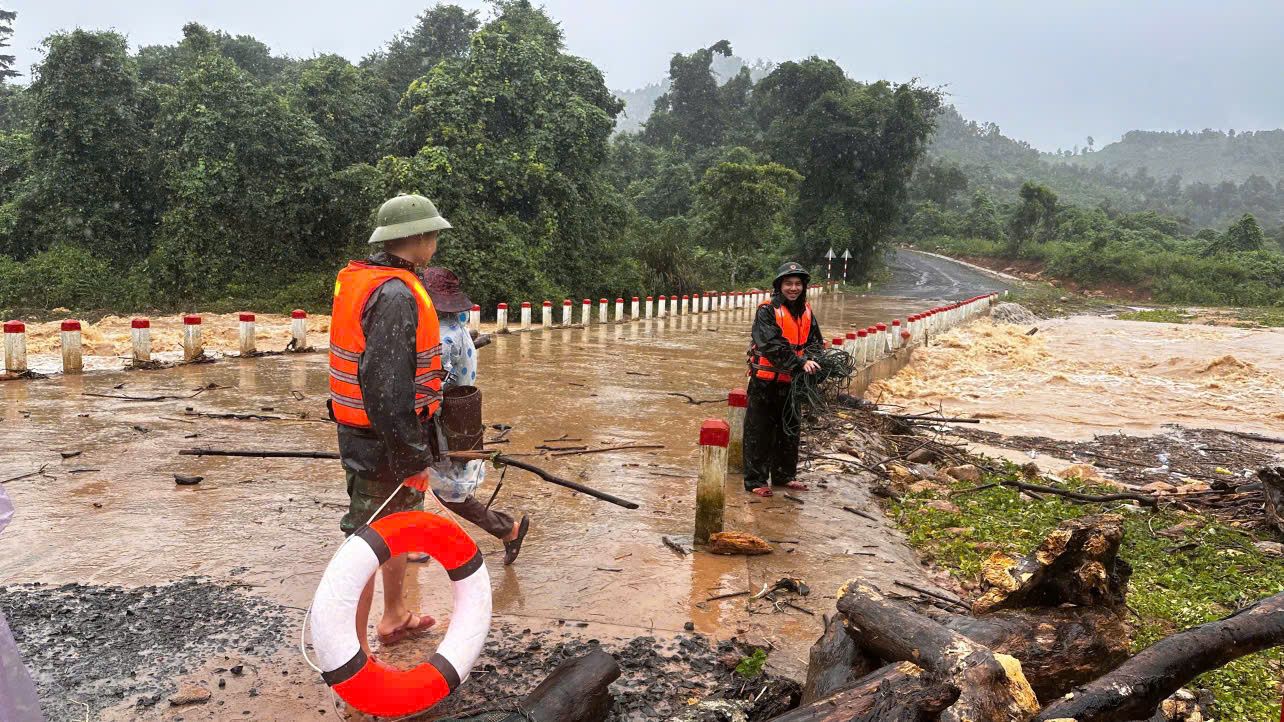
[111, 514]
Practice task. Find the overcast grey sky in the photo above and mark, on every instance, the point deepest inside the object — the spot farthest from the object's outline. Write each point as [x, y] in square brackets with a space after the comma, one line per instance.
[1047, 73]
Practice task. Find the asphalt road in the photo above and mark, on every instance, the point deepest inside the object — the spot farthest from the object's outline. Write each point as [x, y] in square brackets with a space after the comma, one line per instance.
[917, 275]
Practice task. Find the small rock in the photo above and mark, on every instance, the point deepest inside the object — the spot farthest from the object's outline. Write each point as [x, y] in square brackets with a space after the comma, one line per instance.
[943, 505]
[960, 531]
[689, 626]
[919, 487]
[222, 683]
[189, 694]
[965, 472]
[1159, 487]
[238, 669]
[1030, 470]
[1275, 549]
[736, 542]
[900, 475]
[924, 456]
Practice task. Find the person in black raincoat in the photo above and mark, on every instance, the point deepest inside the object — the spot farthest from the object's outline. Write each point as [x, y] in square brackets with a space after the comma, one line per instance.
[786, 340]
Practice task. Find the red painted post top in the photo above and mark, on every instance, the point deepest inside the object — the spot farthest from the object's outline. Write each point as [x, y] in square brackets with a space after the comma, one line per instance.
[635, 299]
[619, 300]
[601, 300]
[588, 302]
[851, 335]
[905, 334]
[478, 308]
[191, 320]
[547, 304]
[298, 313]
[15, 327]
[502, 306]
[714, 432]
[140, 323]
[880, 326]
[247, 317]
[650, 298]
[862, 333]
[567, 302]
[896, 322]
[663, 297]
[737, 398]
[71, 325]
[837, 342]
[685, 297]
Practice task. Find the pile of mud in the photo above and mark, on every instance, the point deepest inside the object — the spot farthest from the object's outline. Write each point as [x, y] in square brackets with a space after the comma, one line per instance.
[97, 646]
[1076, 377]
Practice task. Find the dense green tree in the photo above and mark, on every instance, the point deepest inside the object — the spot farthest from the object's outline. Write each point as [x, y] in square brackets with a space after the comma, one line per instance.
[440, 33]
[89, 184]
[510, 139]
[6, 32]
[166, 63]
[237, 163]
[346, 103]
[1034, 217]
[938, 182]
[1243, 235]
[983, 218]
[743, 207]
[693, 114]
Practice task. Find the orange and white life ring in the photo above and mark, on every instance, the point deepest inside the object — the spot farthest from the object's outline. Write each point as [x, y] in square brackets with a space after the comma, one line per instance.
[366, 683]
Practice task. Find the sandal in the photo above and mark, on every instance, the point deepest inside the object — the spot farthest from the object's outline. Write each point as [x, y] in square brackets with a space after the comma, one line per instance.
[763, 491]
[514, 547]
[796, 485]
[422, 623]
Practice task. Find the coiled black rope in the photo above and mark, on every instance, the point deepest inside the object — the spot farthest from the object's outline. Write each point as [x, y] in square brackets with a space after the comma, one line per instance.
[816, 391]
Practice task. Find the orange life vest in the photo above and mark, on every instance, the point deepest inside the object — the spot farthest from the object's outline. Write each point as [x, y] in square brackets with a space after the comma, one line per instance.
[347, 342]
[795, 332]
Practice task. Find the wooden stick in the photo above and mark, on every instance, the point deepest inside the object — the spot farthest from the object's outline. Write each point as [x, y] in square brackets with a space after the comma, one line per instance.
[1142, 498]
[691, 400]
[930, 593]
[858, 512]
[627, 447]
[37, 472]
[462, 455]
[728, 595]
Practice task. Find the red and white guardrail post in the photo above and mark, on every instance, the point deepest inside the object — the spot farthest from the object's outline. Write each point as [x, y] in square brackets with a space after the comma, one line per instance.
[15, 347]
[140, 337]
[192, 346]
[737, 405]
[72, 355]
[246, 333]
[714, 436]
[299, 329]
[501, 318]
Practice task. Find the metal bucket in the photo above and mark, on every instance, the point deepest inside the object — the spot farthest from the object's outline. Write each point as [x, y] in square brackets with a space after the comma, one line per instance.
[461, 418]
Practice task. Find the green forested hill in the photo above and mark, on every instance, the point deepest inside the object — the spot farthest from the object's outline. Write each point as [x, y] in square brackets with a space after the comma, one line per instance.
[1207, 156]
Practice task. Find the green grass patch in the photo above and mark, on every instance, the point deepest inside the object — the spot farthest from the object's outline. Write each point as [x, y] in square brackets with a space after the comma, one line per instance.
[1158, 315]
[1206, 572]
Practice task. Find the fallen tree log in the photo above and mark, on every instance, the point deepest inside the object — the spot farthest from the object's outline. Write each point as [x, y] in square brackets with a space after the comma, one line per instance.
[1273, 487]
[577, 691]
[990, 686]
[1137, 687]
[1077, 563]
[834, 662]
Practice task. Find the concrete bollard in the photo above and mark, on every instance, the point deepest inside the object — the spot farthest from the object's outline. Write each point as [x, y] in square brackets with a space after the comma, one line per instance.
[247, 334]
[660, 308]
[586, 310]
[862, 347]
[649, 309]
[737, 405]
[567, 309]
[723, 301]
[676, 303]
[686, 304]
[850, 344]
[474, 318]
[619, 310]
[880, 342]
[15, 347]
[894, 337]
[601, 310]
[526, 315]
[299, 328]
[714, 436]
[140, 337]
[705, 302]
[72, 356]
[546, 314]
[633, 309]
[501, 318]
[192, 346]
[905, 339]
[836, 343]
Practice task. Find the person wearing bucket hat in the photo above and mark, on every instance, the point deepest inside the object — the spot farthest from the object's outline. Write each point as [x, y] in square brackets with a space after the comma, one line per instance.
[385, 389]
[454, 482]
[786, 337]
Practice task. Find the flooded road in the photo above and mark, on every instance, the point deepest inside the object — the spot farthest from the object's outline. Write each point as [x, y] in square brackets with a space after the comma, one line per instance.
[110, 513]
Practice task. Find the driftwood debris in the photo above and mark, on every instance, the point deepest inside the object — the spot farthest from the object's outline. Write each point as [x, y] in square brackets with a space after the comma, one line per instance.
[735, 542]
[1136, 688]
[1273, 488]
[577, 691]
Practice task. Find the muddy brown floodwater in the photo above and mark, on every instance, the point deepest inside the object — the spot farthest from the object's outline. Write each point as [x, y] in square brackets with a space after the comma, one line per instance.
[111, 513]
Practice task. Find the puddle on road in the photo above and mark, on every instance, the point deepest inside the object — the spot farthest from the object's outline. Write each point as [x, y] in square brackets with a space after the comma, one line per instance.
[113, 514]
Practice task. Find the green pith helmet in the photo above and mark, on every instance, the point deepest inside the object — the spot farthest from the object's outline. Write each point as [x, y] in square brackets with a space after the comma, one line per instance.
[790, 268]
[405, 216]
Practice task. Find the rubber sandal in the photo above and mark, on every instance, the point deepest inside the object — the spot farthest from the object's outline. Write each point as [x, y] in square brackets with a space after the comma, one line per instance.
[761, 491]
[796, 485]
[418, 558]
[405, 631]
[514, 547]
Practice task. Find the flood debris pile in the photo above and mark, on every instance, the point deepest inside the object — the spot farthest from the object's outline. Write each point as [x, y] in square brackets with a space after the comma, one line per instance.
[104, 645]
[652, 678]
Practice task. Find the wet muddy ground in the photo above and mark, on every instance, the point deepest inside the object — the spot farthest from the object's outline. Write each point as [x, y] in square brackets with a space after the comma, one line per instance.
[104, 511]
